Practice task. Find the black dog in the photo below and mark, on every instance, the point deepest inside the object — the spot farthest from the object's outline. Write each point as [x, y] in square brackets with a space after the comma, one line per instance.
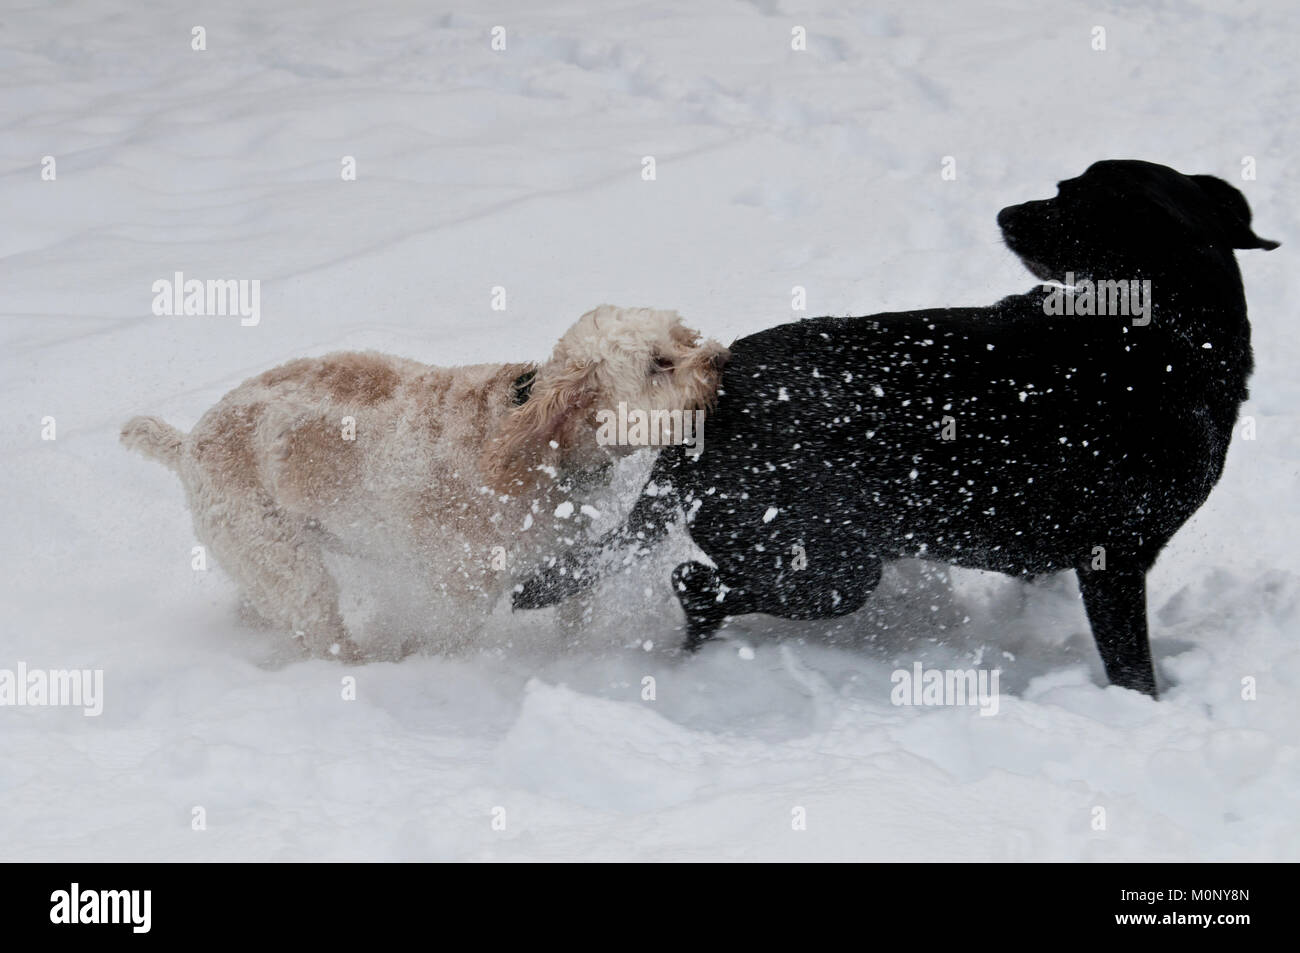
[1010, 438]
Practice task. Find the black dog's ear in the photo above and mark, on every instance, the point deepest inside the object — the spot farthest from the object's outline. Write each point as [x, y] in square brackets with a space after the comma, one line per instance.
[1233, 213]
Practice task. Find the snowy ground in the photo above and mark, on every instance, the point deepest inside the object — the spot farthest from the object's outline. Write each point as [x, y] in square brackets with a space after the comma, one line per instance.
[522, 168]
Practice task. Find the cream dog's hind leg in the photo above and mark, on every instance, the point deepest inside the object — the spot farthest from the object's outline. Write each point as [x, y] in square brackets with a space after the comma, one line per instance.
[281, 570]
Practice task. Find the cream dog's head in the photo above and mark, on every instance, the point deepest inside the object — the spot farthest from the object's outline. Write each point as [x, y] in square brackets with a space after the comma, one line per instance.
[640, 358]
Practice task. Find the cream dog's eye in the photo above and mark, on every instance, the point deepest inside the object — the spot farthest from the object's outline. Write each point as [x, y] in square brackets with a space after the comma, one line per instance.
[663, 363]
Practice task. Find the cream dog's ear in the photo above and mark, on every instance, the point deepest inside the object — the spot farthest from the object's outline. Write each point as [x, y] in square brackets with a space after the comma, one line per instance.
[524, 441]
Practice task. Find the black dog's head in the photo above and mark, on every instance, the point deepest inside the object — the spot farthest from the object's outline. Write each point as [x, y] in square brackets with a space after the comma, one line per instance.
[1124, 218]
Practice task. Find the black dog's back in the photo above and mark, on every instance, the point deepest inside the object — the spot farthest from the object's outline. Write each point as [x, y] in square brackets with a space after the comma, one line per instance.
[995, 438]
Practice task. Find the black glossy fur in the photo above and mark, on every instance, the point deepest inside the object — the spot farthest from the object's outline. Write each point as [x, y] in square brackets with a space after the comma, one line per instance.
[1064, 434]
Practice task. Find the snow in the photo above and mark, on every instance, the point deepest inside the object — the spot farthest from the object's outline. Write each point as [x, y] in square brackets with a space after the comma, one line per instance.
[522, 170]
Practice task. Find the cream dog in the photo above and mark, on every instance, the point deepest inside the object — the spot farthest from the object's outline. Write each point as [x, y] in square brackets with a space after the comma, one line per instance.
[461, 478]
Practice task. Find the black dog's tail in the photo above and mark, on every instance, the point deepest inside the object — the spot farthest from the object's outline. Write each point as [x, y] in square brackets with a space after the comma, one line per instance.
[656, 509]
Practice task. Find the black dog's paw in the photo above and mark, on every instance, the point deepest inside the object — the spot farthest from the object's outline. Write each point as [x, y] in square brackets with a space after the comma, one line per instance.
[547, 588]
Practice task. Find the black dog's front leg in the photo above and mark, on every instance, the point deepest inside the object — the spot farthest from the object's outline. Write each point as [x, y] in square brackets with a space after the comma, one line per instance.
[1116, 602]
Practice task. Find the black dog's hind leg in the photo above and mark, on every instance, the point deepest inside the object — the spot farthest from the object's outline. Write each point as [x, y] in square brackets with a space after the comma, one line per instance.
[1116, 601]
[700, 591]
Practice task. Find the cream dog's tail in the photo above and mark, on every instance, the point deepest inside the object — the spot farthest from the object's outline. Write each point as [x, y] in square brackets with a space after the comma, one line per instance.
[154, 438]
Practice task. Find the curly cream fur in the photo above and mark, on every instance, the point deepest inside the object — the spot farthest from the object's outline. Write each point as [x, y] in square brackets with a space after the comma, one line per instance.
[371, 455]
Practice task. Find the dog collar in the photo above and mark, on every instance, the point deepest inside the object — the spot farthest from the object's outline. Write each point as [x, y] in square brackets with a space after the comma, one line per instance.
[523, 387]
